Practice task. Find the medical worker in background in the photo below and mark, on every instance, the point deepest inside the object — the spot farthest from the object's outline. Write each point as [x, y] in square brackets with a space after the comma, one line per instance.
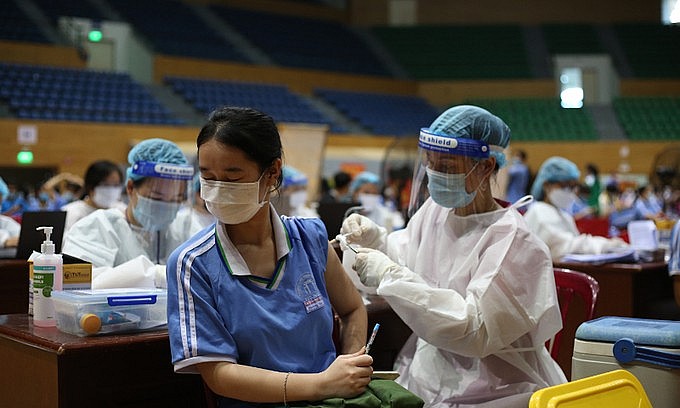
[251, 301]
[549, 217]
[365, 189]
[127, 248]
[293, 195]
[470, 279]
[103, 187]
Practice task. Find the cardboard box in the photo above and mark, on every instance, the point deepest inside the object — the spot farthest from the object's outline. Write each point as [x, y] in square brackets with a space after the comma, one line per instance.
[77, 273]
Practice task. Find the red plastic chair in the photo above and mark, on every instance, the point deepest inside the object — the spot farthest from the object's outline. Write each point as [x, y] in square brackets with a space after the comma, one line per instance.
[570, 283]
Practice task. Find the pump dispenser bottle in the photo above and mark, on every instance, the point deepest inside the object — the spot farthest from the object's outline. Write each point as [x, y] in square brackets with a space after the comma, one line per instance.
[47, 276]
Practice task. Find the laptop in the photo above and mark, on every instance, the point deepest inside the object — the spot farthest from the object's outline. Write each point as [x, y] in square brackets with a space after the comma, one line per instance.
[30, 239]
[332, 214]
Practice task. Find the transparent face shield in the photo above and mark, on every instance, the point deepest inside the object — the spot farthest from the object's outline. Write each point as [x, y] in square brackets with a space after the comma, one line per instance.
[445, 170]
[164, 181]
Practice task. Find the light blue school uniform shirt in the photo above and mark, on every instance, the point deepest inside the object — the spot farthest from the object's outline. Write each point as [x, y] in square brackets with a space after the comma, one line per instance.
[218, 311]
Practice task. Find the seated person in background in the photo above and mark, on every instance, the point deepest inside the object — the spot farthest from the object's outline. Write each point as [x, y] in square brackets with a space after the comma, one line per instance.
[549, 217]
[251, 301]
[193, 216]
[339, 191]
[14, 201]
[365, 189]
[648, 204]
[293, 195]
[63, 188]
[126, 246]
[466, 275]
[103, 188]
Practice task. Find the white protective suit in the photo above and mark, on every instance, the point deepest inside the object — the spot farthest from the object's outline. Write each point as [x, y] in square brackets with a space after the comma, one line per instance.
[191, 220]
[558, 230]
[122, 255]
[9, 228]
[479, 294]
[78, 209]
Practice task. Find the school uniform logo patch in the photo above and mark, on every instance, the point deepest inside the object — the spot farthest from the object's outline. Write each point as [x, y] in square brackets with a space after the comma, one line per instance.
[307, 291]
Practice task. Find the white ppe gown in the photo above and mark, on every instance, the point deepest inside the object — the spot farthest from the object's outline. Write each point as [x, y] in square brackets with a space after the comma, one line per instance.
[120, 253]
[479, 294]
[9, 228]
[558, 230]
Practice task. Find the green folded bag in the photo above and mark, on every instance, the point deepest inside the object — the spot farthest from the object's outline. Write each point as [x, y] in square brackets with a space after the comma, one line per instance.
[380, 394]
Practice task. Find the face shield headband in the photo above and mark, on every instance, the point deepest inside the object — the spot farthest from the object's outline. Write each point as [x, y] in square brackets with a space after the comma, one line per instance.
[450, 145]
[163, 170]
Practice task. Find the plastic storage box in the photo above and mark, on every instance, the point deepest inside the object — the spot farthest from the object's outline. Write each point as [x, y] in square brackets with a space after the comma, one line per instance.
[93, 312]
[647, 348]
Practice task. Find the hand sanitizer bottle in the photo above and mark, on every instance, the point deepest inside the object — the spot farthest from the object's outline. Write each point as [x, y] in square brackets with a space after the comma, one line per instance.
[47, 276]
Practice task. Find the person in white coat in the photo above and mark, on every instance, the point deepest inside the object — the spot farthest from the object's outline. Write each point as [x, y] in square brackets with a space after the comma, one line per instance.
[549, 217]
[129, 248]
[470, 279]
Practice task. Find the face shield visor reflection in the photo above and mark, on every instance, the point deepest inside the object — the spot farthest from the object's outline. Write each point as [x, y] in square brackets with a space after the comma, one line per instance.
[164, 181]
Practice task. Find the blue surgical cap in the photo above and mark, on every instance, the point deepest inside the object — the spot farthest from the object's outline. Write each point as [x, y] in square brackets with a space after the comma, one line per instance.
[473, 122]
[293, 177]
[555, 169]
[4, 190]
[155, 151]
[363, 178]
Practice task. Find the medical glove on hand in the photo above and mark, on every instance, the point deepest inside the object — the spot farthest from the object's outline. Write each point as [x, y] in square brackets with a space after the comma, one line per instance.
[362, 231]
[371, 265]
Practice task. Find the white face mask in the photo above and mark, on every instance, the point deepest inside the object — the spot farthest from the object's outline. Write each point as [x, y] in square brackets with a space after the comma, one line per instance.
[562, 198]
[369, 201]
[232, 203]
[106, 196]
[297, 199]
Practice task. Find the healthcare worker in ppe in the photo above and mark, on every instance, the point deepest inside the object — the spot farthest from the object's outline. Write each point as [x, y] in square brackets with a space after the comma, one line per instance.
[470, 279]
[128, 248]
[549, 217]
[365, 189]
[103, 186]
[293, 196]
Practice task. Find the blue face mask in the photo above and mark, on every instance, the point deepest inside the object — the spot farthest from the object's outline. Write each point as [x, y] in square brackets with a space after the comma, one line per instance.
[448, 190]
[154, 215]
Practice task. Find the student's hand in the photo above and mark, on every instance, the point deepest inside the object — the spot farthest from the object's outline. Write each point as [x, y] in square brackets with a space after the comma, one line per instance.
[349, 375]
[371, 266]
[362, 231]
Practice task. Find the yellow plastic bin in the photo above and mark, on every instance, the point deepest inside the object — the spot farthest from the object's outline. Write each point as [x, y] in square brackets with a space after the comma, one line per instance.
[613, 389]
[647, 348]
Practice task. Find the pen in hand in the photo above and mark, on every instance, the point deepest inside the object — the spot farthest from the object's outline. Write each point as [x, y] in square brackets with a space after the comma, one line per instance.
[372, 338]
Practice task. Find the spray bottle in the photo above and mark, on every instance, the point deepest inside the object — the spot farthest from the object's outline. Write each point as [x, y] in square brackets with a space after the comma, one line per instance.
[48, 275]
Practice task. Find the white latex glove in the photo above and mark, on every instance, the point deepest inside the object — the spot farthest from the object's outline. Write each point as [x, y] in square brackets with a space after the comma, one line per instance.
[371, 265]
[362, 231]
